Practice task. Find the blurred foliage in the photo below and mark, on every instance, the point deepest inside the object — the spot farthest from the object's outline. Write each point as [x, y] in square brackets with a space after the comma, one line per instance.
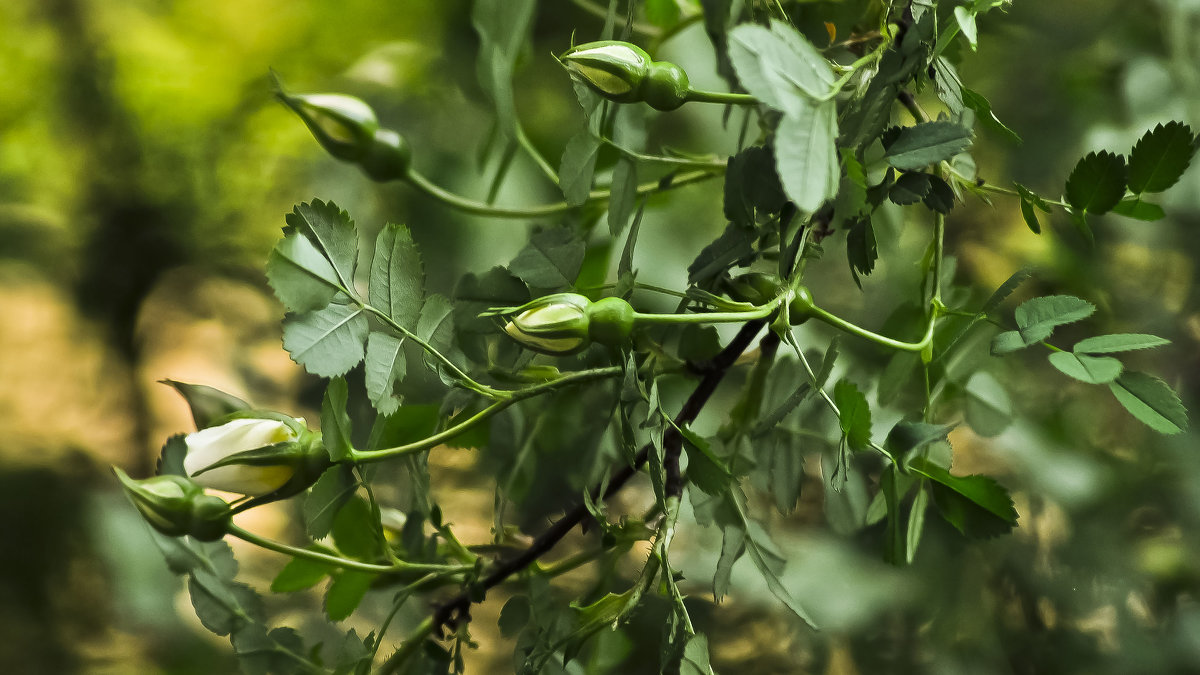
[145, 171]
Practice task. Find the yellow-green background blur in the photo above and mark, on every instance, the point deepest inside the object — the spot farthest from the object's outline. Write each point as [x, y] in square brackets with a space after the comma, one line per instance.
[145, 171]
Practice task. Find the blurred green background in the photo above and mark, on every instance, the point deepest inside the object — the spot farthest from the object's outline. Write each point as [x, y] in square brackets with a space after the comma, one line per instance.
[144, 174]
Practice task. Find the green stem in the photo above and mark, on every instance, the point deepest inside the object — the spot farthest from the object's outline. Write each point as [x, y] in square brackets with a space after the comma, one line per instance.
[400, 567]
[461, 203]
[841, 324]
[536, 156]
[714, 164]
[602, 13]
[511, 398]
[700, 96]
[761, 312]
[458, 372]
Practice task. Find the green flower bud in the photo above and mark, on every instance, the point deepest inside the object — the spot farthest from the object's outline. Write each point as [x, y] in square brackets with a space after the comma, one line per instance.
[611, 68]
[755, 288]
[176, 506]
[344, 125]
[610, 321]
[555, 324]
[349, 130]
[666, 87]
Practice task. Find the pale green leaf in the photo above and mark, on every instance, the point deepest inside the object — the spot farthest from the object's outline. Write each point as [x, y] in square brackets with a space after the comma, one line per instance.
[1134, 207]
[1038, 317]
[332, 232]
[779, 66]
[383, 369]
[301, 277]
[345, 593]
[1151, 401]
[1089, 369]
[335, 421]
[988, 406]
[1118, 342]
[854, 412]
[806, 157]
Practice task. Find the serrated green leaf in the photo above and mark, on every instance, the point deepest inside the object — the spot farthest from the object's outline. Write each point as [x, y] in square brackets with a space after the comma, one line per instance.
[1160, 157]
[623, 194]
[910, 188]
[1038, 317]
[397, 277]
[940, 197]
[1007, 342]
[1134, 207]
[779, 66]
[335, 422]
[927, 143]
[327, 342]
[977, 506]
[827, 363]
[704, 468]
[551, 259]
[988, 407]
[302, 278]
[436, 328]
[383, 369]
[861, 248]
[299, 574]
[1118, 342]
[332, 232]
[806, 157]
[577, 167]
[1089, 369]
[221, 604]
[1097, 183]
[1151, 401]
[333, 489]
[345, 593]
[854, 414]
[734, 244]
[263, 653]
[170, 459]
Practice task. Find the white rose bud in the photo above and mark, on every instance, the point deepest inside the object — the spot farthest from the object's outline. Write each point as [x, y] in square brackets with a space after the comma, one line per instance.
[214, 444]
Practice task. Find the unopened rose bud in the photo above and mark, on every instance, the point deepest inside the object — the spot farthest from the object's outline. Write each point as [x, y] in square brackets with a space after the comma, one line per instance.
[555, 324]
[613, 69]
[256, 456]
[177, 506]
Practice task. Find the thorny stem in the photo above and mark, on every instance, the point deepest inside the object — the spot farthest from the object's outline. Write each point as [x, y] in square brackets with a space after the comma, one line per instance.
[457, 609]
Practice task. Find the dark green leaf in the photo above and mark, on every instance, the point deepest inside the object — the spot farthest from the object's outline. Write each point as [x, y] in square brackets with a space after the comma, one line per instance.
[551, 259]
[1151, 401]
[384, 368]
[733, 545]
[327, 342]
[170, 460]
[1038, 317]
[927, 143]
[909, 188]
[1118, 342]
[916, 522]
[436, 328]
[302, 278]
[977, 506]
[734, 244]
[806, 157]
[513, 616]
[1134, 207]
[332, 232]
[345, 593]
[221, 604]
[578, 165]
[333, 489]
[353, 654]
[1089, 369]
[1097, 183]
[906, 438]
[397, 277]
[854, 412]
[1160, 157]
[785, 470]
[940, 197]
[779, 66]
[752, 186]
[1030, 217]
[262, 653]
[206, 403]
[704, 468]
[861, 248]
[299, 574]
[827, 363]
